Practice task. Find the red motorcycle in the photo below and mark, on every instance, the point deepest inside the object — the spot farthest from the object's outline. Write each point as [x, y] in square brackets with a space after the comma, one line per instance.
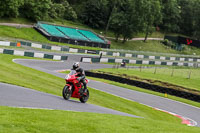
[74, 88]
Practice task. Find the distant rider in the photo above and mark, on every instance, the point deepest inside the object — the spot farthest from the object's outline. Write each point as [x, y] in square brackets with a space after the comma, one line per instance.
[81, 75]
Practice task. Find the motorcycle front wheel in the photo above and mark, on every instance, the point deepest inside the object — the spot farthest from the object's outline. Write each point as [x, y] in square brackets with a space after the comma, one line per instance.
[84, 98]
[66, 92]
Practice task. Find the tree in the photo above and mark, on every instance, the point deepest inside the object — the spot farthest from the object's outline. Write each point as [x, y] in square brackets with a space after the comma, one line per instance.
[57, 10]
[117, 24]
[171, 15]
[152, 15]
[62, 9]
[187, 20]
[127, 21]
[36, 9]
[10, 8]
[113, 6]
[196, 8]
[76, 1]
[94, 13]
[69, 12]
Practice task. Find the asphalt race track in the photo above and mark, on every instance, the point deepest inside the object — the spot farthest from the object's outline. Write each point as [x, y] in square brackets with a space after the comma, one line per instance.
[52, 67]
[16, 96]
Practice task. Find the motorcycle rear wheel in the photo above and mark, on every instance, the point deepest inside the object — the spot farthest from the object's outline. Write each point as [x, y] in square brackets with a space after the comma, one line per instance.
[66, 92]
[84, 98]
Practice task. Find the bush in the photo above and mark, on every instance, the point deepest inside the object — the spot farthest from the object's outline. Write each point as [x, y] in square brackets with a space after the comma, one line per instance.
[169, 43]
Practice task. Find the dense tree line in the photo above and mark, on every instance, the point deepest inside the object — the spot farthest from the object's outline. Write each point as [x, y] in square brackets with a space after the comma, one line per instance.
[125, 17]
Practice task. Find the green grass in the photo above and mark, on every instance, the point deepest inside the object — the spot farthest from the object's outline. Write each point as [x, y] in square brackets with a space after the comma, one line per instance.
[152, 46]
[18, 120]
[16, 74]
[180, 76]
[24, 120]
[16, 20]
[12, 47]
[155, 34]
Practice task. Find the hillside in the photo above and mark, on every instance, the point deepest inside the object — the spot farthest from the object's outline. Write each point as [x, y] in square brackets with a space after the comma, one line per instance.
[29, 34]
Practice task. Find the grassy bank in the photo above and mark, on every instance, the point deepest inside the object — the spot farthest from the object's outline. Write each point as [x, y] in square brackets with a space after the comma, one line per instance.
[152, 46]
[30, 34]
[44, 121]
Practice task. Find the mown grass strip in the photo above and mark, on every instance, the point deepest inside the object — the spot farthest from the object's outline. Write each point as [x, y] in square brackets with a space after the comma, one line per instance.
[18, 120]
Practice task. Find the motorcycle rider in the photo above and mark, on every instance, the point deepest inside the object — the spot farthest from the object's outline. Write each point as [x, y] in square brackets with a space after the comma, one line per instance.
[81, 75]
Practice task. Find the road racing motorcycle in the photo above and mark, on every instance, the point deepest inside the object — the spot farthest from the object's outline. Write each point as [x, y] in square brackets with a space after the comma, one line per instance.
[74, 88]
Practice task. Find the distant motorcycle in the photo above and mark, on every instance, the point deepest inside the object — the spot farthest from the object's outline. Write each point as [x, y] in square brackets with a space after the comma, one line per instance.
[74, 88]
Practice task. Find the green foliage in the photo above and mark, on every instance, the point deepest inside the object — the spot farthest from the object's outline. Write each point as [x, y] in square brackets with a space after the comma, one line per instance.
[62, 10]
[10, 8]
[94, 13]
[36, 9]
[152, 16]
[69, 13]
[171, 16]
[57, 10]
[189, 23]
[169, 43]
[126, 20]
[125, 17]
[196, 33]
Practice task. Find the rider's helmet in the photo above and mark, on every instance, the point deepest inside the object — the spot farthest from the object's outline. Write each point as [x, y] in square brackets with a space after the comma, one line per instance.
[76, 65]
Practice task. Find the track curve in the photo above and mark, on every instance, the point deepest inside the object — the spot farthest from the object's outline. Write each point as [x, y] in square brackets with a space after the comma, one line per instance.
[16, 96]
[147, 99]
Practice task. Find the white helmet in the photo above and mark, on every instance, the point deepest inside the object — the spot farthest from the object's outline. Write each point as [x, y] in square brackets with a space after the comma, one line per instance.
[76, 65]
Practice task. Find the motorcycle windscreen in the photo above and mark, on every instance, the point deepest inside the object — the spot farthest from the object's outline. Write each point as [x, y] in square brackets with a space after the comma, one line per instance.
[72, 72]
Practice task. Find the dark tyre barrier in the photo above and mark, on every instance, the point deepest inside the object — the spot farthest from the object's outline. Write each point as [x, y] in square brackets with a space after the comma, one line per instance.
[140, 84]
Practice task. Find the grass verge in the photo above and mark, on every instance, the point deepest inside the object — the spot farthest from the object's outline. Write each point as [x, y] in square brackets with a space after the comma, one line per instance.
[18, 120]
[152, 46]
